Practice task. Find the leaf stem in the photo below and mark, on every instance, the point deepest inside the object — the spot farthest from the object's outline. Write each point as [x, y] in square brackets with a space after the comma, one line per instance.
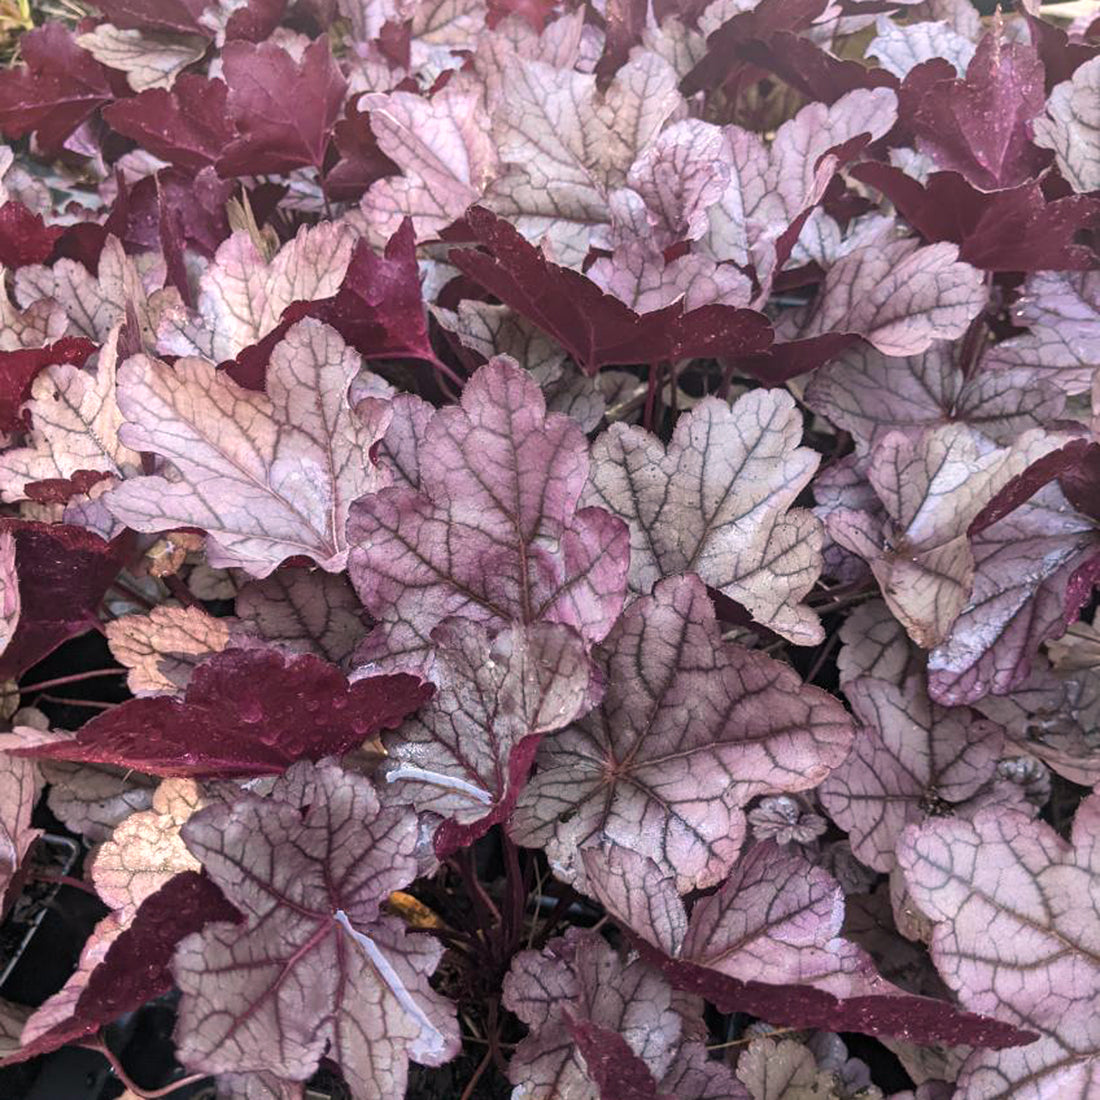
[59, 681]
[483, 1065]
[100, 1047]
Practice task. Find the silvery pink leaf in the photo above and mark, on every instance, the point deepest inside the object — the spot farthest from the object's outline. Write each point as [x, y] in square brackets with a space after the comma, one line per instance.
[20, 785]
[1023, 567]
[870, 394]
[76, 422]
[466, 755]
[932, 489]
[909, 756]
[95, 304]
[874, 643]
[242, 294]
[1028, 773]
[771, 186]
[92, 799]
[10, 603]
[267, 476]
[565, 147]
[161, 649]
[308, 611]
[979, 125]
[782, 1069]
[13, 1018]
[786, 821]
[1055, 718]
[399, 449]
[149, 60]
[1078, 648]
[445, 151]
[899, 49]
[1062, 309]
[775, 915]
[637, 274]
[499, 330]
[898, 296]
[1071, 130]
[718, 502]
[494, 534]
[1015, 934]
[441, 27]
[314, 966]
[679, 176]
[578, 978]
[689, 730]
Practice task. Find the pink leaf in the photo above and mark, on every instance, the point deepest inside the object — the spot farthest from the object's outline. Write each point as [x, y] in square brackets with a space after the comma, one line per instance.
[315, 967]
[494, 534]
[689, 730]
[19, 368]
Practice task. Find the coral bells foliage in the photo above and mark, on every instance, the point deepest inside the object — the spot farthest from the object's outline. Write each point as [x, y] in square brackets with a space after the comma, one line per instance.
[590, 516]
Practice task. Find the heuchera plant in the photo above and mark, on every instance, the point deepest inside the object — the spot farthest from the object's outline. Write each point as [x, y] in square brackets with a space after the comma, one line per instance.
[592, 508]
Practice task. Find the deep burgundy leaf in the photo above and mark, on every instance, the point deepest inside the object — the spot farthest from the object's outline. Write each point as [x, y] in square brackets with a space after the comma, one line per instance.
[24, 237]
[626, 20]
[978, 125]
[18, 370]
[171, 16]
[361, 161]
[596, 328]
[284, 110]
[245, 712]
[63, 573]
[917, 1019]
[1060, 57]
[1014, 229]
[378, 310]
[1081, 481]
[135, 967]
[255, 20]
[815, 72]
[60, 490]
[618, 1072]
[723, 57]
[187, 126]
[54, 91]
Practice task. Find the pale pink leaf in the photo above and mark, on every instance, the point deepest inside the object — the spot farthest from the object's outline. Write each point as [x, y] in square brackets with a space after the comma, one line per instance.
[689, 730]
[267, 476]
[242, 294]
[717, 502]
[1071, 128]
[20, 786]
[161, 649]
[899, 48]
[909, 756]
[146, 849]
[149, 59]
[874, 643]
[1023, 566]
[782, 1069]
[314, 967]
[494, 534]
[76, 421]
[1016, 934]
[93, 798]
[445, 151]
[10, 604]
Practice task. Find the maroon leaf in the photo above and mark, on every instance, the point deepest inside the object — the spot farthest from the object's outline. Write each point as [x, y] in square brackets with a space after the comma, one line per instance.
[63, 573]
[24, 237]
[466, 756]
[690, 730]
[378, 310]
[596, 328]
[59, 87]
[1008, 230]
[284, 110]
[726, 942]
[188, 126]
[19, 368]
[617, 1071]
[494, 534]
[60, 490]
[978, 125]
[315, 968]
[134, 968]
[246, 712]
